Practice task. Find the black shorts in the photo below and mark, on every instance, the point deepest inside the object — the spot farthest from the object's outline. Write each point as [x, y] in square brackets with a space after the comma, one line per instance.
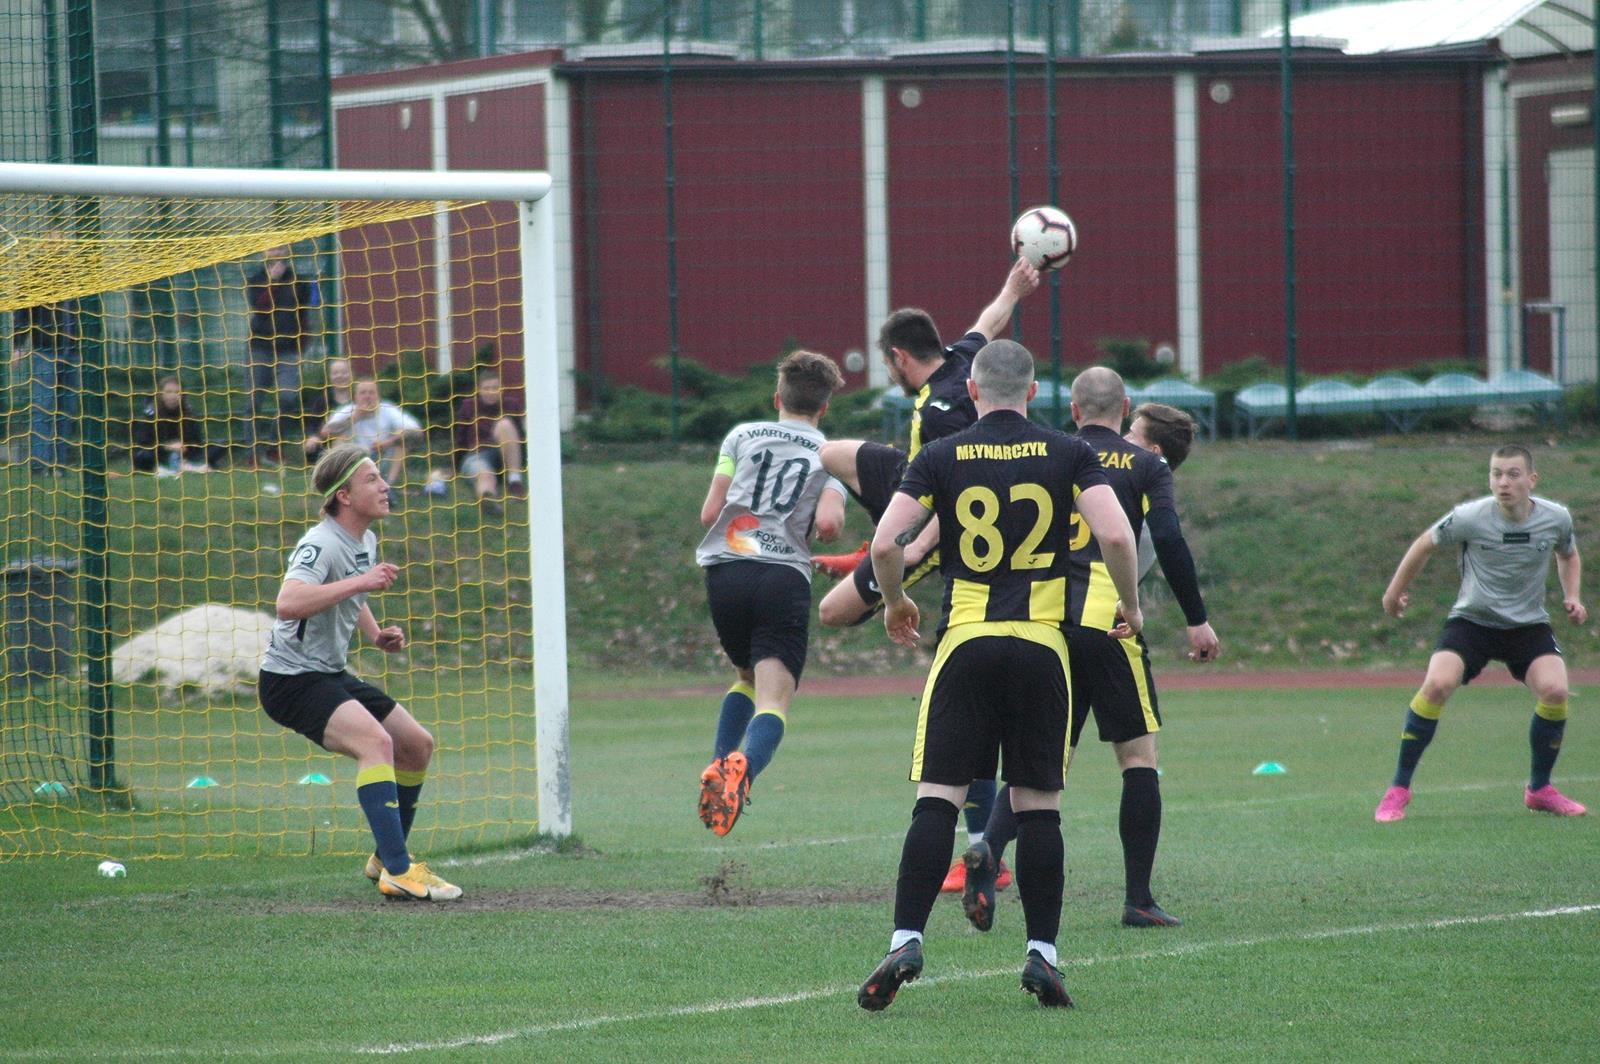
[1478, 644]
[867, 583]
[995, 688]
[1111, 678]
[305, 701]
[761, 610]
[879, 471]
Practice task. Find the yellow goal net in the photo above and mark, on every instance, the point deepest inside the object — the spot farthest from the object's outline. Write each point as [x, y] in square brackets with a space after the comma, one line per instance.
[176, 347]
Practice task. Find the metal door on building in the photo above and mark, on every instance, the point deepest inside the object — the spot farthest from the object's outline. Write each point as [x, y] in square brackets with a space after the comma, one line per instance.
[1572, 263]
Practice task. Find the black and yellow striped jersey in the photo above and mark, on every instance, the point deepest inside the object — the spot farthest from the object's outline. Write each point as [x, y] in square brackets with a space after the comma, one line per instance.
[1142, 481]
[1004, 491]
[943, 407]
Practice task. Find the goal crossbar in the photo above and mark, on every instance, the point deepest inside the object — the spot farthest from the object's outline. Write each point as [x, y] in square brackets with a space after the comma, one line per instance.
[220, 183]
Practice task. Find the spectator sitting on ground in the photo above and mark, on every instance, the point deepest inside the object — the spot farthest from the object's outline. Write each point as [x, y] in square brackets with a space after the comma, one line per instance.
[488, 441]
[337, 394]
[378, 425]
[167, 436]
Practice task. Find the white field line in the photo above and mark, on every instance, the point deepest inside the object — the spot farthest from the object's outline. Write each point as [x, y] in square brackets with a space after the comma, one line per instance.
[711, 1008]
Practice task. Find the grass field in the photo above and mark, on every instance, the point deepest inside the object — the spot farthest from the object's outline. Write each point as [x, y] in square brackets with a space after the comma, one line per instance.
[1470, 931]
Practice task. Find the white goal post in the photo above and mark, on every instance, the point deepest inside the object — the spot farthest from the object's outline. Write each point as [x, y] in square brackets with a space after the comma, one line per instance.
[530, 191]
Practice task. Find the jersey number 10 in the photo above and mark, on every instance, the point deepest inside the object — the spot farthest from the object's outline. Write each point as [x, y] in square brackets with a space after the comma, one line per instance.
[778, 504]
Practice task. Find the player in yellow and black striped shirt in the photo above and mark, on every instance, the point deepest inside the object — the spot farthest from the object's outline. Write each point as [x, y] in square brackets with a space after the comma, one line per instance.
[935, 378]
[1111, 677]
[1010, 497]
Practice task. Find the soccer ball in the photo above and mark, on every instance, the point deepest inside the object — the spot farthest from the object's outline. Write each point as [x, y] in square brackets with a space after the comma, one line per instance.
[1045, 236]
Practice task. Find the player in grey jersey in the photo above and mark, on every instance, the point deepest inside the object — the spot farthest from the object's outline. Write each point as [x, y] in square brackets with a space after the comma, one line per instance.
[767, 496]
[1505, 542]
[304, 684]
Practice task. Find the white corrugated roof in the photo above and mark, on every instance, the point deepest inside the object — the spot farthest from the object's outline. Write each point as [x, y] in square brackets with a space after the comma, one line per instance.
[1524, 28]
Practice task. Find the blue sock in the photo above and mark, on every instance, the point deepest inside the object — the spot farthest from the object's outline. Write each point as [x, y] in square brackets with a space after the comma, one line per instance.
[980, 802]
[1544, 737]
[1415, 737]
[380, 800]
[738, 706]
[761, 739]
[408, 785]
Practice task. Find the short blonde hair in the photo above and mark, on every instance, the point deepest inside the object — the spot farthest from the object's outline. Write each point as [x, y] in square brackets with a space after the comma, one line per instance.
[335, 467]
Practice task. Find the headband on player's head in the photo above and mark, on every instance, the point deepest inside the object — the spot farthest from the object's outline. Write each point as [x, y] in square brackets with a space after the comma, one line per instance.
[344, 479]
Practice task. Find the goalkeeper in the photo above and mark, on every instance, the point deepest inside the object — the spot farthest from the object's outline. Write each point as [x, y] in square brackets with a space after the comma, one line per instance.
[305, 685]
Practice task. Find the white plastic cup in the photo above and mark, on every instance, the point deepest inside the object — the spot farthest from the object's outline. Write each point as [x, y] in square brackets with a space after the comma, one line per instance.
[112, 870]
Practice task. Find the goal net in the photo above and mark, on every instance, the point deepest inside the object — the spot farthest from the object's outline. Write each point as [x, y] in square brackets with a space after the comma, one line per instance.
[176, 347]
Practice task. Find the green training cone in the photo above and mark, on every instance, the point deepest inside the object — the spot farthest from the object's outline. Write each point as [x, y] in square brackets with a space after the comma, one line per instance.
[315, 778]
[1270, 768]
[200, 782]
[51, 787]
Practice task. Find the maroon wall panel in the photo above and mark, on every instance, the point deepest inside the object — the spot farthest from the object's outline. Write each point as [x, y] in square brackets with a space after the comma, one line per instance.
[950, 211]
[500, 129]
[1388, 220]
[386, 271]
[769, 224]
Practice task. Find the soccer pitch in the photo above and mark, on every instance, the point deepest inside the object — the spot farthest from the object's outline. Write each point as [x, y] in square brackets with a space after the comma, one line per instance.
[1470, 931]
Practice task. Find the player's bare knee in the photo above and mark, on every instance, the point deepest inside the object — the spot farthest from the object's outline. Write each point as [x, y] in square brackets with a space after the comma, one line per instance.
[839, 459]
[831, 615]
[1027, 799]
[504, 430]
[1136, 753]
[375, 745]
[414, 747]
[1438, 689]
[1550, 693]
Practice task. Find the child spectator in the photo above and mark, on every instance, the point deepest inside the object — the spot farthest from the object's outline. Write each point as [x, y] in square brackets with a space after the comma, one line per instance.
[488, 441]
[167, 436]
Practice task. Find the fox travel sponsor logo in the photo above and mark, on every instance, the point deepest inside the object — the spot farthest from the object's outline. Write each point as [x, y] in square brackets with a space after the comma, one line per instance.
[745, 536]
[741, 534]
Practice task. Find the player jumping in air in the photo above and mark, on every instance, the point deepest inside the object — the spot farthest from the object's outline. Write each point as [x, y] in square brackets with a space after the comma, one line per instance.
[1506, 540]
[767, 497]
[304, 683]
[936, 378]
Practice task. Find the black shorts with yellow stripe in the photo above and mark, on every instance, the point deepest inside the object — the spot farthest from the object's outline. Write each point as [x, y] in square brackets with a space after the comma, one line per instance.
[1111, 678]
[997, 689]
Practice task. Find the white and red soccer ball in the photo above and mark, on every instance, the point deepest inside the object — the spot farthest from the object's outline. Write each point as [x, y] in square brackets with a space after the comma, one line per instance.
[1045, 236]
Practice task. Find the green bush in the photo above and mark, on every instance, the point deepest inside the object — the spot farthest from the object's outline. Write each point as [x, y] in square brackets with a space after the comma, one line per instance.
[709, 404]
[1130, 357]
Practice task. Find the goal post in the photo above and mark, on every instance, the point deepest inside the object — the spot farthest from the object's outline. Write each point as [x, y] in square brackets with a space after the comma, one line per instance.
[70, 235]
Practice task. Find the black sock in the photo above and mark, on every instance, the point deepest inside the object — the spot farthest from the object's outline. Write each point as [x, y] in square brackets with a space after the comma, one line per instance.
[1140, 825]
[923, 861]
[1002, 826]
[1415, 737]
[1041, 872]
[408, 786]
[1544, 737]
[979, 807]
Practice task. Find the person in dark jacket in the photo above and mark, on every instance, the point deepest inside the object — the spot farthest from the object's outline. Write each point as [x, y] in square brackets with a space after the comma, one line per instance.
[168, 438]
